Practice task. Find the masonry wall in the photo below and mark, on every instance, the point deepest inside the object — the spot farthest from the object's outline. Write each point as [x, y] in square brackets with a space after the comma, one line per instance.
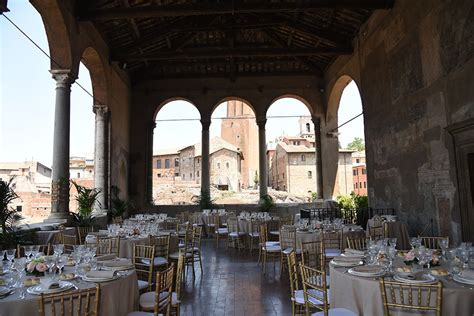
[225, 169]
[299, 182]
[415, 69]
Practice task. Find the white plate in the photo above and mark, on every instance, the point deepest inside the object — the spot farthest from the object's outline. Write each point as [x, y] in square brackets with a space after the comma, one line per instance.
[351, 255]
[359, 271]
[420, 278]
[347, 264]
[122, 268]
[4, 290]
[38, 289]
[97, 280]
[460, 279]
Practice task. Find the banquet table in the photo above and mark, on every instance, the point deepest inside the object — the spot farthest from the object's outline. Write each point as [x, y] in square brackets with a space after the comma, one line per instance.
[117, 297]
[394, 229]
[363, 295]
[49, 236]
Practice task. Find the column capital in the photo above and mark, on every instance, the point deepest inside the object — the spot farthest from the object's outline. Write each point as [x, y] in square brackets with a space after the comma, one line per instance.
[261, 122]
[64, 77]
[205, 124]
[100, 110]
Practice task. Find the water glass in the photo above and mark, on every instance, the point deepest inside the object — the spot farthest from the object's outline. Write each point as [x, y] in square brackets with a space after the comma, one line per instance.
[393, 242]
[58, 249]
[455, 267]
[35, 251]
[28, 252]
[61, 262]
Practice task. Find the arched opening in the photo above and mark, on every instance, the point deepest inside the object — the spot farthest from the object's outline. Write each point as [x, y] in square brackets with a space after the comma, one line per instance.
[352, 171]
[176, 162]
[233, 153]
[291, 152]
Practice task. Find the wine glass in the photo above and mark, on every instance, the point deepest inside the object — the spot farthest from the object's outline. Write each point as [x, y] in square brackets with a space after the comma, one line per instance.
[393, 242]
[61, 262]
[443, 244]
[391, 254]
[27, 252]
[11, 255]
[58, 249]
[35, 251]
[19, 283]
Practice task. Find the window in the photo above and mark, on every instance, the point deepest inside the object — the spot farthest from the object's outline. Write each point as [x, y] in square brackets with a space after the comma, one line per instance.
[159, 175]
[227, 165]
[158, 164]
[199, 160]
[310, 175]
[78, 175]
[167, 163]
[283, 175]
[360, 185]
[176, 162]
[357, 160]
[176, 174]
[190, 175]
[354, 172]
[308, 127]
[363, 171]
[184, 176]
[356, 185]
[365, 184]
[197, 174]
[303, 158]
[218, 165]
[19, 208]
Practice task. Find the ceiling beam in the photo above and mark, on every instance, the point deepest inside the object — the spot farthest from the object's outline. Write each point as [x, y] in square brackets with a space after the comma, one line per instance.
[217, 53]
[228, 7]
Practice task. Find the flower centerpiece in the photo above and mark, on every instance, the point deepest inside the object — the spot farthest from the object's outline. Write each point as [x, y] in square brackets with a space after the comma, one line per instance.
[36, 267]
[409, 258]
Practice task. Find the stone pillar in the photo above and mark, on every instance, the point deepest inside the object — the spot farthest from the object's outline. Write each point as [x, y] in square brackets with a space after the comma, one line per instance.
[319, 165]
[60, 174]
[149, 163]
[205, 174]
[100, 158]
[262, 157]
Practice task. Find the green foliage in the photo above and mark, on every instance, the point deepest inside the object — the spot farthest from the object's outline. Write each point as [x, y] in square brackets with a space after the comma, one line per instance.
[266, 203]
[359, 203]
[204, 201]
[314, 196]
[86, 198]
[8, 215]
[118, 206]
[356, 144]
[255, 178]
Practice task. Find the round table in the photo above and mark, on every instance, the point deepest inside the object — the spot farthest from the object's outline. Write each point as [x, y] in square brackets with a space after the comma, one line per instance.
[362, 295]
[117, 297]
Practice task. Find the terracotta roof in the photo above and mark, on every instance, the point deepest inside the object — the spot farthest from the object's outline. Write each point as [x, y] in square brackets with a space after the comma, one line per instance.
[296, 148]
[166, 152]
[215, 144]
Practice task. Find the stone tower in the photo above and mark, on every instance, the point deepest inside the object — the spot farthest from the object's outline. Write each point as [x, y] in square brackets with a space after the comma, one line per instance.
[240, 129]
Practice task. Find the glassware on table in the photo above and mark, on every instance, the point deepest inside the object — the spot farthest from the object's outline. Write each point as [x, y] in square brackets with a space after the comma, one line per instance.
[19, 264]
[455, 267]
[443, 244]
[82, 269]
[393, 242]
[391, 254]
[58, 249]
[28, 252]
[35, 251]
[11, 255]
[19, 283]
[61, 262]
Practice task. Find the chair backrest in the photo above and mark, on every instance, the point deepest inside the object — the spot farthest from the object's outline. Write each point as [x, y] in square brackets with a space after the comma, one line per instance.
[232, 224]
[414, 297]
[161, 244]
[312, 254]
[82, 233]
[81, 302]
[188, 240]
[107, 245]
[179, 275]
[377, 232]
[288, 237]
[164, 290]
[255, 225]
[196, 218]
[215, 220]
[170, 223]
[293, 272]
[314, 288]
[285, 221]
[183, 217]
[197, 234]
[332, 239]
[69, 242]
[143, 257]
[20, 250]
[263, 236]
[433, 242]
[359, 243]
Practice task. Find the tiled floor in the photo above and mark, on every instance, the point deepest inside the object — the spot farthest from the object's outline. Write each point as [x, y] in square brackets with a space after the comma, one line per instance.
[233, 284]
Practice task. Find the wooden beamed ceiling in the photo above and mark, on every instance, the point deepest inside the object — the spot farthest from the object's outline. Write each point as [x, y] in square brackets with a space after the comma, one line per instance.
[198, 39]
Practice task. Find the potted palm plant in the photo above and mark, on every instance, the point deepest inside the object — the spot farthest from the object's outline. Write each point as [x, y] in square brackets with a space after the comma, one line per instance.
[86, 199]
[119, 207]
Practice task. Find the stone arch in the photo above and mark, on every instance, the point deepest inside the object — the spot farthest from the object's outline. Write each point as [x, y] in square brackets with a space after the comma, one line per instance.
[335, 96]
[291, 96]
[168, 100]
[57, 32]
[231, 98]
[94, 64]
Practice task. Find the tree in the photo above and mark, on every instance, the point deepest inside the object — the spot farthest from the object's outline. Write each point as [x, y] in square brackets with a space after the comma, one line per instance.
[356, 144]
[8, 214]
[255, 178]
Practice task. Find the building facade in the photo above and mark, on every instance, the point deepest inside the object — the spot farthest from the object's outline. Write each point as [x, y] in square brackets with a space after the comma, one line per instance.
[359, 173]
[344, 178]
[166, 164]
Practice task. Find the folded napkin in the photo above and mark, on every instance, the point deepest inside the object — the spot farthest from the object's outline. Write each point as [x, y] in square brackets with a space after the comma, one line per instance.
[345, 259]
[100, 274]
[106, 257]
[468, 274]
[119, 262]
[354, 251]
[368, 269]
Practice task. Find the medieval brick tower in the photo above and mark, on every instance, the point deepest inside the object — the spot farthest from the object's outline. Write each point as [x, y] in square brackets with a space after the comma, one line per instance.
[240, 129]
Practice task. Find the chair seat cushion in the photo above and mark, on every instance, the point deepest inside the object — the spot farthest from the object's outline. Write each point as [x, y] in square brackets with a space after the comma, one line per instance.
[336, 312]
[175, 255]
[332, 252]
[211, 225]
[236, 234]
[275, 232]
[272, 243]
[299, 297]
[272, 249]
[254, 234]
[157, 261]
[142, 285]
[147, 300]
[222, 231]
[287, 251]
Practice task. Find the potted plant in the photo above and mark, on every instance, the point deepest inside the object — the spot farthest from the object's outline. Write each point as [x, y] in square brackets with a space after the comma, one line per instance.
[266, 203]
[119, 207]
[204, 201]
[86, 199]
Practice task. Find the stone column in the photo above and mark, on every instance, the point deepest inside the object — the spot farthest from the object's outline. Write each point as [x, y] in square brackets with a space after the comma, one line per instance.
[62, 117]
[319, 165]
[149, 163]
[205, 174]
[262, 156]
[100, 158]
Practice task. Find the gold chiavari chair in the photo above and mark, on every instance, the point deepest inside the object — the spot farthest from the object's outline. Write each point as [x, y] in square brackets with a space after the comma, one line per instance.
[181, 230]
[358, 243]
[312, 254]
[163, 293]
[254, 234]
[267, 249]
[162, 247]
[69, 242]
[287, 243]
[197, 235]
[332, 242]
[433, 242]
[142, 256]
[81, 302]
[235, 236]
[170, 223]
[186, 248]
[315, 293]
[296, 294]
[147, 300]
[82, 232]
[418, 298]
[196, 219]
[221, 232]
[285, 220]
[213, 223]
[183, 217]
[377, 229]
[20, 250]
[106, 245]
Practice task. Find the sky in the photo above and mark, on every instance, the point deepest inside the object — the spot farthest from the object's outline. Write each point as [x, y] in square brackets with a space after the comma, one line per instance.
[27, 94]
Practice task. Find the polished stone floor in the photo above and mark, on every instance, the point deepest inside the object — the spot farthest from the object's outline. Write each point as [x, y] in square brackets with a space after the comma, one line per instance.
[233, 284]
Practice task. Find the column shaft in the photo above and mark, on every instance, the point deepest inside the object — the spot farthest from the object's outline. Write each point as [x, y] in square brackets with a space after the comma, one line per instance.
[205, 174]
[319, 165]
[262, 157]
[60, 173]
[100, 157]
